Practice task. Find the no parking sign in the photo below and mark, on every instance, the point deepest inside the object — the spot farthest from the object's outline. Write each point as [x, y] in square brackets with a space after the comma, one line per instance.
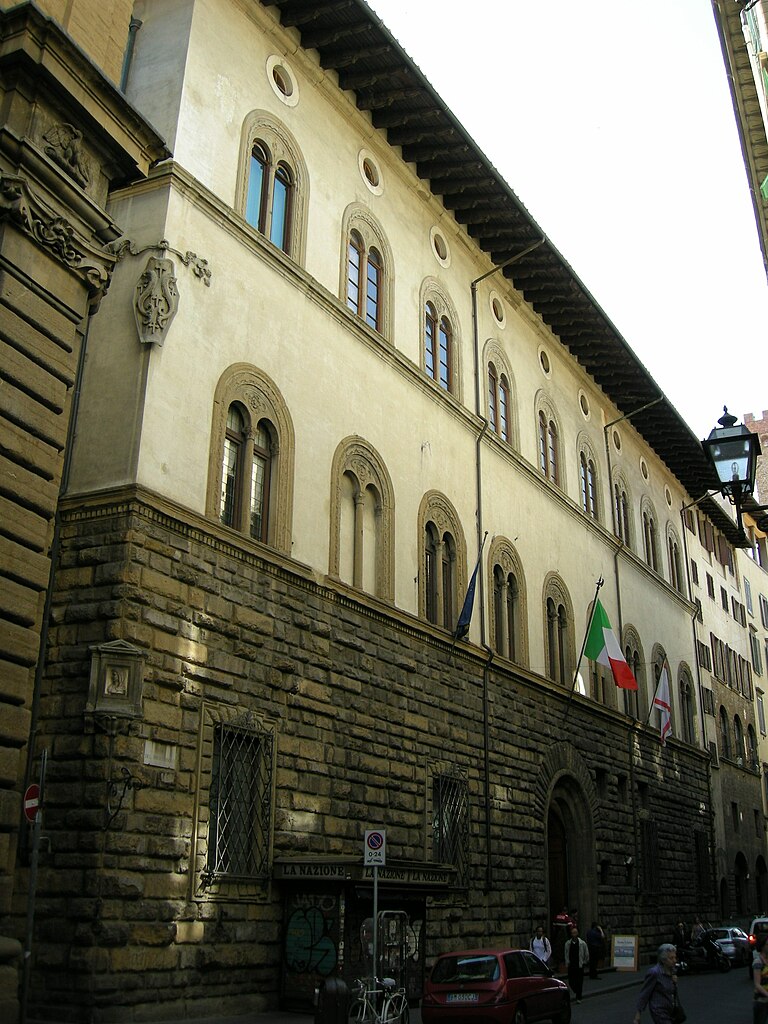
[375, 847]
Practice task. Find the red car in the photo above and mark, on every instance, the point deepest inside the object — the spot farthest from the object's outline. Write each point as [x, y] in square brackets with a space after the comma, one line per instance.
[485, 986]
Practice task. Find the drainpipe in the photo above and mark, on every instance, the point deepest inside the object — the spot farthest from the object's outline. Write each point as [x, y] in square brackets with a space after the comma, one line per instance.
[481, 573]
[133, 28]
[487, 768]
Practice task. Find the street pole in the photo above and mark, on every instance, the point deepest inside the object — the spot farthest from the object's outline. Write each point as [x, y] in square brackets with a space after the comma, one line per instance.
[35, 855]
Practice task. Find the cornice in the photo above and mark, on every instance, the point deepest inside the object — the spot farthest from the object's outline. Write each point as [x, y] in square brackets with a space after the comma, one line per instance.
[34, 47]
[54, 234]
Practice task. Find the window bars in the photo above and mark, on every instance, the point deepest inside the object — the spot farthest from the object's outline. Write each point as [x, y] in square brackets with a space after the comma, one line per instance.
[240, 803]
[450, 822]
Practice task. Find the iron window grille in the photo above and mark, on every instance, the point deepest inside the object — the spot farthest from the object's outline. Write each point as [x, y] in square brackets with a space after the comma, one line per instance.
[240, 819]
[450, 822]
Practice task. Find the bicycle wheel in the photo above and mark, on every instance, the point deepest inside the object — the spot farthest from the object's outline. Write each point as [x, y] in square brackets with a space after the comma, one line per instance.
[395, 1009]
[360, 1009]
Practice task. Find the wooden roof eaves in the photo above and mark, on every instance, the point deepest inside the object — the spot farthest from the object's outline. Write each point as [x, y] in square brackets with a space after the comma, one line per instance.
[417, 113]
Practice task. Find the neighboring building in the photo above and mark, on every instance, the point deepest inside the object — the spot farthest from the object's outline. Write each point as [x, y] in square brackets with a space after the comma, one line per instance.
[760, 427]
[741, 25]
[67, 135]
[338, 365]
[724, 584]
[755, 574]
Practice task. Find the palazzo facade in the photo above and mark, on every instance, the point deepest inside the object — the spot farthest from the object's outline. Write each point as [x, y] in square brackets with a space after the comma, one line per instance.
[338, 368]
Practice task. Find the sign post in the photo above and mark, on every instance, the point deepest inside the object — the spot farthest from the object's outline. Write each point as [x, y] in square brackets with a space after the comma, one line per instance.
[375, 855]
[33, 802]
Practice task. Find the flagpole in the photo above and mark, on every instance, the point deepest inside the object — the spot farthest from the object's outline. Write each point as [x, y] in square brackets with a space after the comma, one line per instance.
[471, 588]
[664, 668]
[599, 584]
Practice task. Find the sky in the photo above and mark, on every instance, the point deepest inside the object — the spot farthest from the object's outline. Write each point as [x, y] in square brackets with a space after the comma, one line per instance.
[613, 124]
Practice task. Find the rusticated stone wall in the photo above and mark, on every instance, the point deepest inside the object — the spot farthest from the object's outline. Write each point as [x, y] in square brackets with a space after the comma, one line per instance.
[362, 700]
[55, 171]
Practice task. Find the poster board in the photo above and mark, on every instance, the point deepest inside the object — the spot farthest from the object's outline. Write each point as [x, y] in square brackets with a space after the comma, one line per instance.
[624, 952]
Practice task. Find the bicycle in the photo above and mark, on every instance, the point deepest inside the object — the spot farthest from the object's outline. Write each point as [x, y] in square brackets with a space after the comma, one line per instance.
[367, 996]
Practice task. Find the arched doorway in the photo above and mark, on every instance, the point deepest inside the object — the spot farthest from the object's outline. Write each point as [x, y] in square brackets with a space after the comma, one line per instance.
[571, 856]
[725, 903]
[761, 882]
[741, 883]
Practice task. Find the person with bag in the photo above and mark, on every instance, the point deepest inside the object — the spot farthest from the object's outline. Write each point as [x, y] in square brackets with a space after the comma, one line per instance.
[659, 991]
[760, 979]
[540, 945]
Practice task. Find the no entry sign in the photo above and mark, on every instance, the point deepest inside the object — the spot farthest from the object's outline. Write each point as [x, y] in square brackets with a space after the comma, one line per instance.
[31, 802]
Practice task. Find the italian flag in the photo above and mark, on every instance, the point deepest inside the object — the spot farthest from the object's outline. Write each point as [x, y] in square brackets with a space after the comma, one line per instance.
[603, 647]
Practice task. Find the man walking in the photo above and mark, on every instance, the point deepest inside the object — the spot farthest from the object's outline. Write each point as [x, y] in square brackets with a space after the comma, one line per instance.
[577, 958]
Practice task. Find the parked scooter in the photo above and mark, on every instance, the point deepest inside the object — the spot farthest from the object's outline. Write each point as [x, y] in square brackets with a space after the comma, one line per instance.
[703, 956]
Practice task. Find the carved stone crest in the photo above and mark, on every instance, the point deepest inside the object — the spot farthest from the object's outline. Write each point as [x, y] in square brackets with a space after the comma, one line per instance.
[65, 148]
[156, 301]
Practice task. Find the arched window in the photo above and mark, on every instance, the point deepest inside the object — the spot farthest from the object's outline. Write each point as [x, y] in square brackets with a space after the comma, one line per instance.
[649, 537]
[245, 474]
[675, 562]
[687, 708]
[364, 280]
[440, 342]
[440, 575]
[367, 268]
[507, 601]
[443, 557]
[273, 184]
[588, 480]
[558, 632]
[268, 202]
[498, 402]
[549, 452]
[738, 739]
[634, 700]
[621, 509]
[725, 734]
[362, 519]
[754, 761]
[438, 347]
[250, 470]
[506, 611]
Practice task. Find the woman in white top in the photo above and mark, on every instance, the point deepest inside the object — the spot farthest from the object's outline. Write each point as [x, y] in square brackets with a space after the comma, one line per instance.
[540, 945]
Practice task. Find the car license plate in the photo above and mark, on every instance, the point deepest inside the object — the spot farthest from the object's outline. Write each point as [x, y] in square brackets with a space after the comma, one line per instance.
[462, 997]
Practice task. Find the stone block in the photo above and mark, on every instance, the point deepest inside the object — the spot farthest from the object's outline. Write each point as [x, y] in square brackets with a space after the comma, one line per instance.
[153, 934]
[190, 932]
[127, 887]
[137, 958]
[15, 683]
[257, 621]
[18, 641]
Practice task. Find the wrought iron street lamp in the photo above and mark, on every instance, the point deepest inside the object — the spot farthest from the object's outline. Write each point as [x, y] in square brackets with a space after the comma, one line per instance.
[733, 452]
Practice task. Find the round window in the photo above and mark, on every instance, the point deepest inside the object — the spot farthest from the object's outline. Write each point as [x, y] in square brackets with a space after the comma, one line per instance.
[282, 80]
[440, 247]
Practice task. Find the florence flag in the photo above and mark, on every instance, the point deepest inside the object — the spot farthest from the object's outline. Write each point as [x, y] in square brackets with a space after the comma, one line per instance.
[661, 701]
[603, 647]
